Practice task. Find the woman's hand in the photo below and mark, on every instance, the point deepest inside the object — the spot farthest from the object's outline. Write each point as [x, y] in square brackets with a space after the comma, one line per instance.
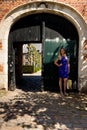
[59, 65]
[56, 63]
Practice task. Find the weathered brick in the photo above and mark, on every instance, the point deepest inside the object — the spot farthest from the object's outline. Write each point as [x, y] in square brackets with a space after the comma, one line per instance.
[8, 5]
[0, 45]
[1, 68]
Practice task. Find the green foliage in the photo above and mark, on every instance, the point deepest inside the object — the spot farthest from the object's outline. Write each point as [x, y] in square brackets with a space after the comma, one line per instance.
[27, 69]
[34, 57]
[30, 69]
[36, 69]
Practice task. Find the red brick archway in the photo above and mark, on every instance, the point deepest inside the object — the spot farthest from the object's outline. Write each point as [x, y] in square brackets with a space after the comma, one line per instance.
[53, 8]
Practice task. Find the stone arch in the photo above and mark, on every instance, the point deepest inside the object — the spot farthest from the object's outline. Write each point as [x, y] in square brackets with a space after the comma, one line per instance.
[40, 7]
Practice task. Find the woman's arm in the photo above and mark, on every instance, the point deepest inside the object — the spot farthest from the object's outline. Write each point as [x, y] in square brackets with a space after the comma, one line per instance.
[56, 63]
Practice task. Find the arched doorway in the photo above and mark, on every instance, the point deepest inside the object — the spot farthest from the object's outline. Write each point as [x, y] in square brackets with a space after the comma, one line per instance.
[55, 8]
[53, 32]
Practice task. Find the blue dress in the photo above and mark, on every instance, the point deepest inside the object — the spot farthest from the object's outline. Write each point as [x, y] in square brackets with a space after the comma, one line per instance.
[63, 70]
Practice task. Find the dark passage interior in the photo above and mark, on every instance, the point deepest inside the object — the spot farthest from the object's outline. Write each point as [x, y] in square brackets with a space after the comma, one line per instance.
[53, 32]
[30, 79]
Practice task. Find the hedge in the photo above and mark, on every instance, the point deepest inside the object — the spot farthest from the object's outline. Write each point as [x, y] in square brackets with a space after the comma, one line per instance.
[30, 69]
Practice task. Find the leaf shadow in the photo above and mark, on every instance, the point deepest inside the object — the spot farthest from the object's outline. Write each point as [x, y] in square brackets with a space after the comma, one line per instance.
[44, 109]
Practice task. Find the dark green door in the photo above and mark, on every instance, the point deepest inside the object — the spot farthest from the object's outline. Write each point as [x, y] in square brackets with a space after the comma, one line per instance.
[52, 44]
[51, 48]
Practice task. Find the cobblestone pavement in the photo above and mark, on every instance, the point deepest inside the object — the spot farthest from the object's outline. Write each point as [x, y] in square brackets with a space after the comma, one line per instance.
[21, 110]
[35, 110]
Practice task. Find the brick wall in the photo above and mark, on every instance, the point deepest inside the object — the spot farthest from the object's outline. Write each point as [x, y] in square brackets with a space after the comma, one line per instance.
[7, 5]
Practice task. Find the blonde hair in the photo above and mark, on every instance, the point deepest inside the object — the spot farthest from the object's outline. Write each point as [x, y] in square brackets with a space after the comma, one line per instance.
[60, 55]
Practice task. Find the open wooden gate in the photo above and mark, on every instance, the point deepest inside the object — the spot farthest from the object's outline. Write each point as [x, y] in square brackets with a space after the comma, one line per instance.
[53, 32]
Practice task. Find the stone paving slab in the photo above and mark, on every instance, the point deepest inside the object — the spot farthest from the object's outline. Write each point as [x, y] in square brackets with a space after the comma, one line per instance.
[21, 110]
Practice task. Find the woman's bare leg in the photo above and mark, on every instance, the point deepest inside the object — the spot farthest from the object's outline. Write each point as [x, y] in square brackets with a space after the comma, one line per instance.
[60, 85]
[65, 85]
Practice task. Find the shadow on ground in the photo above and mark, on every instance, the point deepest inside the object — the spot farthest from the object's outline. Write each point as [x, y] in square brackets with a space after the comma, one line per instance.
[30, 83]
[45, 110]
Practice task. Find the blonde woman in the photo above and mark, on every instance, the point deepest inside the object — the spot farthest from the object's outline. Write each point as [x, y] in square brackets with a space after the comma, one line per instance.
[64, 67]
